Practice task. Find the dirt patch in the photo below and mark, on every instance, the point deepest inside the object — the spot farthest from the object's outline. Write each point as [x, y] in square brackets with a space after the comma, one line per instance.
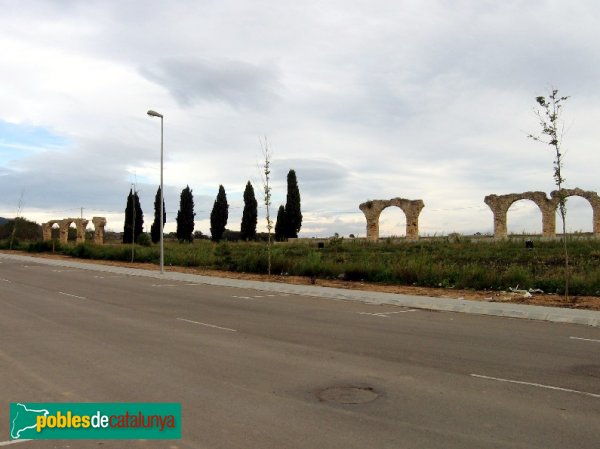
[551, 300]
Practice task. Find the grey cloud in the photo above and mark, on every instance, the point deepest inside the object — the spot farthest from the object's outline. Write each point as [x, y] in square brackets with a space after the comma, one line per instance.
[237, 83]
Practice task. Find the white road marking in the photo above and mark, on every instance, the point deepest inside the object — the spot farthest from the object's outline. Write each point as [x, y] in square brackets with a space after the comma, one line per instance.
[5, 280]
[63, 271]
[386, 314]
[164, 285]
[208, 325]
[7, 443]
[270, 296]
[258, 296]
[109, 277]
[242, 297]
[72, 296]
[193, 284]
[584, 339]
[533, 384]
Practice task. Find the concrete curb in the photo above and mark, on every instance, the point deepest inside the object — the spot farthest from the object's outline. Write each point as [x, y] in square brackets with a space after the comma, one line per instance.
[540, 313]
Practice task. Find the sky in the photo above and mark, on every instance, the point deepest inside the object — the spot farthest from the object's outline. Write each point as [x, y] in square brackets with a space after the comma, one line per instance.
[365, 100]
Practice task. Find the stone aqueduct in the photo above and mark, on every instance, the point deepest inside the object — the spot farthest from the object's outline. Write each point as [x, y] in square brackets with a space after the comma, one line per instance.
[499, 204]
[80, 224]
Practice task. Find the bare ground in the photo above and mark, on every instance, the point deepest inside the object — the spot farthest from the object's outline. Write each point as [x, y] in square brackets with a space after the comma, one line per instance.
[551, 300]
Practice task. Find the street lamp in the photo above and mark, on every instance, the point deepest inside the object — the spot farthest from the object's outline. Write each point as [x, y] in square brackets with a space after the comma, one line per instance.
[152, 113]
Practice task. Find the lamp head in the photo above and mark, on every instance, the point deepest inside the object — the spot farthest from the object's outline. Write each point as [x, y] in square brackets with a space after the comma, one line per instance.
[154, 114]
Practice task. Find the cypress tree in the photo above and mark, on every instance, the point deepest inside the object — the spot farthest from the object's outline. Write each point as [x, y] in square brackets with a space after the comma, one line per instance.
[128, 227]
[292, 207]
[219, 215]
[155, 228]
[139, 217]
[185, 216]
[280, 225]
[250, 214]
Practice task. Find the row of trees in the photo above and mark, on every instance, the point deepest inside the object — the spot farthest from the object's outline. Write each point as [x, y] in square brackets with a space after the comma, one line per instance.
[289, 217]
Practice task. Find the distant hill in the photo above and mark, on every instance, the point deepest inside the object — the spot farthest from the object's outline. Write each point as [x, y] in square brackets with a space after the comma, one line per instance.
[3, 220]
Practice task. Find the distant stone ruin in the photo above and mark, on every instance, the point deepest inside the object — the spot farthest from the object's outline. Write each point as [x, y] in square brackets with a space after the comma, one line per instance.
[411, 208]
[499, 204]
[80, 224]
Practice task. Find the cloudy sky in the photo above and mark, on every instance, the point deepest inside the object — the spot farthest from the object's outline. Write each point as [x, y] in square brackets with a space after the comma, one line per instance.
[371, 99]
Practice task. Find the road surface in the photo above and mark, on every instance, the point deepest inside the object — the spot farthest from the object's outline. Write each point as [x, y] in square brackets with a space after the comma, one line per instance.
[265, 370]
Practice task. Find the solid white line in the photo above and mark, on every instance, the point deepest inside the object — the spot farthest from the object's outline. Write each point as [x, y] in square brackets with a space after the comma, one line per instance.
[584, 339]
[208, 325]
[72, 296]
[532, 384]
[7, 443]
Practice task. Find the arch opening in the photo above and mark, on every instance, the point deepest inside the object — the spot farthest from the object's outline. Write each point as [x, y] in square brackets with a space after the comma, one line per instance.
[524, 217]
[392, 222]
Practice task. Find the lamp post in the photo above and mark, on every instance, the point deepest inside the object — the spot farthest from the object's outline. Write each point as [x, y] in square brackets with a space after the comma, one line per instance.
[152, 113]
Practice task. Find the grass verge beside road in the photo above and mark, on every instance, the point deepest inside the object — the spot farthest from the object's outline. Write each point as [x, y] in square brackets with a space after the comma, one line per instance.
[467, 264]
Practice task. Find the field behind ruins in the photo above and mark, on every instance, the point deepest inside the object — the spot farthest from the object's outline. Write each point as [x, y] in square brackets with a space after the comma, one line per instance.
[463, 264]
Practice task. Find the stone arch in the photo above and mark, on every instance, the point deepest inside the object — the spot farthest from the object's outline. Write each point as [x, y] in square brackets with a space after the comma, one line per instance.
[47, 229]
[499, 204]
[591, 197]
[411, 208]
[80, 225]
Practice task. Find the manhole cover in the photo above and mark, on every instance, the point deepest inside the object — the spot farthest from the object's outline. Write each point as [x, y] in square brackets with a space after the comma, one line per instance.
[348, 395]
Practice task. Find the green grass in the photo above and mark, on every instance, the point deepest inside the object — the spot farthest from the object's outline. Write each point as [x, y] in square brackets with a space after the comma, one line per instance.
[489, 265]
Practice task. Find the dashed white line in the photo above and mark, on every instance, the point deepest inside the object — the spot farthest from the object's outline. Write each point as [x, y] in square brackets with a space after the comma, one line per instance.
[164, 285]
[584, 339]
[207, 325]
[7, 443]
[386, 314]
[5, 280]
[72, 296]
[533, 384]
[242, 297]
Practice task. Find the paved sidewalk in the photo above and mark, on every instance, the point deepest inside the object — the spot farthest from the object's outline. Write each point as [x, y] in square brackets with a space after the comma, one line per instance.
[555, 314]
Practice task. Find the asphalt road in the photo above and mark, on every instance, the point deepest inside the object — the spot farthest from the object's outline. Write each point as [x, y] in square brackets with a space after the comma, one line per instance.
[261, 370]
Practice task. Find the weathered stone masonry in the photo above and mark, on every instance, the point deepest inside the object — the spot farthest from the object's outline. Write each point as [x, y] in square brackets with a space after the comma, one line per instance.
[80, 224]
[499, 204]
[411, 208]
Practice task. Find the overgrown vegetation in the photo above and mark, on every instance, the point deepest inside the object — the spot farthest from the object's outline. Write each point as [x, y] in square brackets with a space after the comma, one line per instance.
[468, 264]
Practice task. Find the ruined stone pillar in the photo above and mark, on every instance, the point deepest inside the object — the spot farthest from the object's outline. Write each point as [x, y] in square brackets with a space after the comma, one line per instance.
[412, 212]
[372, 213]
[47, 231]
[64, 230]
[81, 224]
[549, 220]
[499, 209]
[99, 223]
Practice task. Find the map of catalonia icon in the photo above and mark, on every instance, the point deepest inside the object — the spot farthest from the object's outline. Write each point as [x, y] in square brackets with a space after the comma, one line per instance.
[23, 419]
